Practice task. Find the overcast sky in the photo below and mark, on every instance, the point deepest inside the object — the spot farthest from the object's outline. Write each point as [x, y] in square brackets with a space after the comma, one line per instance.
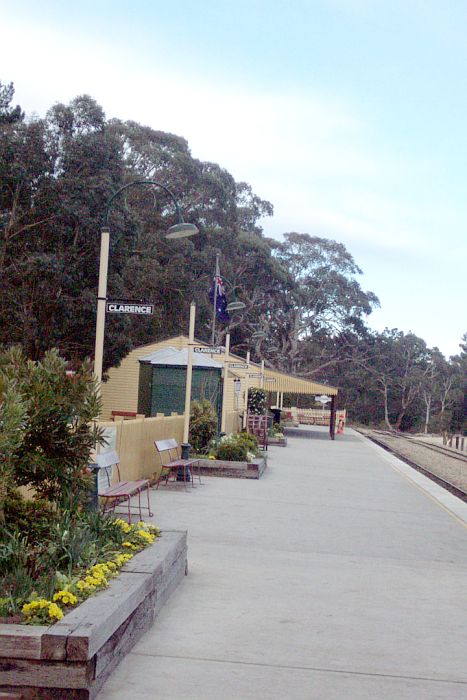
[348, 115]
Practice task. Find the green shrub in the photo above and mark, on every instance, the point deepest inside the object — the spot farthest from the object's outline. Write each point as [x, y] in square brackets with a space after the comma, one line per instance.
[203, 426]
[232, 451]
[251, 441]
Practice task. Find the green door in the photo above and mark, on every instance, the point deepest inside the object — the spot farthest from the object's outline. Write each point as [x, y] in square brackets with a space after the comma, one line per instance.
[168, 388]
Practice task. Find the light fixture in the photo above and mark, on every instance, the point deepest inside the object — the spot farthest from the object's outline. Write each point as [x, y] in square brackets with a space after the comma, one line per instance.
[181, 230]
[235, 305]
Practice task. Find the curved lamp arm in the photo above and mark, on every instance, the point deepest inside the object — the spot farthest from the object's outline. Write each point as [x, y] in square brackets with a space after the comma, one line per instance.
[141, 182]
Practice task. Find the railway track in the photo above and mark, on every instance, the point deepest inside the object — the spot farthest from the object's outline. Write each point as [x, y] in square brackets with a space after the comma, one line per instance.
[442, 465]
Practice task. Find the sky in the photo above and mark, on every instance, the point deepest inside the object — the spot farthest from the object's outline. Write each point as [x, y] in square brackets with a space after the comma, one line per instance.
[347, 115]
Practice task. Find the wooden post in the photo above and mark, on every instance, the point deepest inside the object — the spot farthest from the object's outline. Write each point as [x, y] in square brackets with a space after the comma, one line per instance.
[332, 419]
[245, 405]
[224, 388]
[101, 301]
[262, 374]
[189, 373]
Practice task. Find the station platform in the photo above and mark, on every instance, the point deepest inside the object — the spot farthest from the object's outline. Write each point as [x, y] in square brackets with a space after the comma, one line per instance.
[341, 573]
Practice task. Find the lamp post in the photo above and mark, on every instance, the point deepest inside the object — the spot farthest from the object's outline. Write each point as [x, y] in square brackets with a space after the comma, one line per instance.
[179, 230]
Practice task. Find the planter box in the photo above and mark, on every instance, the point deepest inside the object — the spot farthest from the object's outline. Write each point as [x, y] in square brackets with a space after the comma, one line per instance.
[74, 657]
[280, 441]
[236, 470]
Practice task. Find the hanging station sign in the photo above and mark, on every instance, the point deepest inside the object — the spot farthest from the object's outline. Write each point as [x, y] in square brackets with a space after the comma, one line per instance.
[129, 307]
[209, 351]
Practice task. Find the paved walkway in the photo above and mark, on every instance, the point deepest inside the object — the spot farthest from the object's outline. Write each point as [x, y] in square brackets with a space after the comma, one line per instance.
[334, 576]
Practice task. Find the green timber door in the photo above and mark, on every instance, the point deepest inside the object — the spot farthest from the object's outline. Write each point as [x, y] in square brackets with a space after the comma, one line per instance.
[168, 388]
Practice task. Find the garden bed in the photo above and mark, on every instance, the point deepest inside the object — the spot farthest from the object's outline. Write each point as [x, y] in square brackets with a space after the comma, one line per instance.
[236, 470]
[74, 657]
[280, 441]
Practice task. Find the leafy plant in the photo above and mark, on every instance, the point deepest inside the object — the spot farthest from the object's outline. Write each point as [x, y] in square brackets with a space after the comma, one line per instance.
[46, 426]
[232, 451]
[203, 426]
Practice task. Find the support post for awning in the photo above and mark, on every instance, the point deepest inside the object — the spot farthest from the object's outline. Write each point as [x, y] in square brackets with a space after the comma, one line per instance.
[245, 405]
[224, 388]
[332, 419]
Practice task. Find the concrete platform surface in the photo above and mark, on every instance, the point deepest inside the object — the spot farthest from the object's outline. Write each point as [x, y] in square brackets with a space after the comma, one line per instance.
[334, 576]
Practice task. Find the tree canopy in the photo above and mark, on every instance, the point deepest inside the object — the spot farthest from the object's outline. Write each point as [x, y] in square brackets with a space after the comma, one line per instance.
[57, 175]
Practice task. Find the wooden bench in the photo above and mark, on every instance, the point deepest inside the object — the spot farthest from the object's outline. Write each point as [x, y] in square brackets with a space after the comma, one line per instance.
[171, 461]
[121, 492]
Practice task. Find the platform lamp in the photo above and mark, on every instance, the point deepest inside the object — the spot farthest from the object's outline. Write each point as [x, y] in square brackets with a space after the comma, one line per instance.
[179, 230]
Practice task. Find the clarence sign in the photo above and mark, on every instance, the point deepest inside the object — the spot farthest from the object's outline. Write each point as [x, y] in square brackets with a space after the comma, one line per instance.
[126, 307]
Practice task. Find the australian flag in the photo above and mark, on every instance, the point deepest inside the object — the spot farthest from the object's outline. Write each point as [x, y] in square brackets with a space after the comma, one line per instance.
[221, 299]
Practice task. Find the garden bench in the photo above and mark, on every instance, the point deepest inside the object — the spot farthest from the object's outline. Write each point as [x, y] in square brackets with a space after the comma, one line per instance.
[122, 491]
[170, 453]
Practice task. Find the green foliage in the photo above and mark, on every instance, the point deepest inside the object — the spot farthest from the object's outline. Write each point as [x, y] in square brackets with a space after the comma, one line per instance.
[203, 426]
[249, 440]
[257, 401]
[236, 447]
[232, 451]
[47, 419]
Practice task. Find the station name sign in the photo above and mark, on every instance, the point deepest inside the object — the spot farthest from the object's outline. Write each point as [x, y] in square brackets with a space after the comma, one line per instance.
[209, 351]
[126, 307]
[238, 365]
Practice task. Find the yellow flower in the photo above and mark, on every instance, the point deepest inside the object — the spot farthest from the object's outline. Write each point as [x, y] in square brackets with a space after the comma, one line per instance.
[55, 611]
[66, 597]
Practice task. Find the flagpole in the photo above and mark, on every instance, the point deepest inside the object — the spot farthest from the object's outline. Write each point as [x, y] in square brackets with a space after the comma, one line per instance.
[216, 277]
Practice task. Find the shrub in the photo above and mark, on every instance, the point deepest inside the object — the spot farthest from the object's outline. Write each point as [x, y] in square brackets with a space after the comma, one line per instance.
[232, 451]
[203, 426]
[251, 441]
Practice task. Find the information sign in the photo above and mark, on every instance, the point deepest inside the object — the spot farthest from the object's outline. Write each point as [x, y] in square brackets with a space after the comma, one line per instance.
[238, 365]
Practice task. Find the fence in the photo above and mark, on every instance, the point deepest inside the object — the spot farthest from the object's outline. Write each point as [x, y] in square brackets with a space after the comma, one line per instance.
[458, 442]
[315, 416]
[134, 442]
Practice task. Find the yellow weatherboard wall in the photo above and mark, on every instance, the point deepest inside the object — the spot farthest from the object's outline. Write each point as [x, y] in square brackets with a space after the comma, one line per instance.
[120, 392]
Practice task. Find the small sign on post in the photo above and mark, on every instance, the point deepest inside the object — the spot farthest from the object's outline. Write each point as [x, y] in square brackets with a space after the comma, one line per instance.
[209, 351]
[129, 307]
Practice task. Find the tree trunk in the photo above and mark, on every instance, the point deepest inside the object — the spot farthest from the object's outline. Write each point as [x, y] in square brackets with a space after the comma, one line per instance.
[427, 413]
[386, 410]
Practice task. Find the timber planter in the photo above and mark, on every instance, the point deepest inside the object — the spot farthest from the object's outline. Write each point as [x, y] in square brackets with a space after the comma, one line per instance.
[75, 656]
[236, 470]
[280, 441]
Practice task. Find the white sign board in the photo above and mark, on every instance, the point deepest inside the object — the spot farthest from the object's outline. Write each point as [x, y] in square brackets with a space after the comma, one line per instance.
[125, 307]
[238, 365]
[209, 351]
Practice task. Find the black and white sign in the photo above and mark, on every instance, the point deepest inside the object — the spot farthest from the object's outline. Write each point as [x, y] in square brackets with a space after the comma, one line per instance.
[238, 365]
[209, 351]
[129, 307]
[256, 375]
[237, 386]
